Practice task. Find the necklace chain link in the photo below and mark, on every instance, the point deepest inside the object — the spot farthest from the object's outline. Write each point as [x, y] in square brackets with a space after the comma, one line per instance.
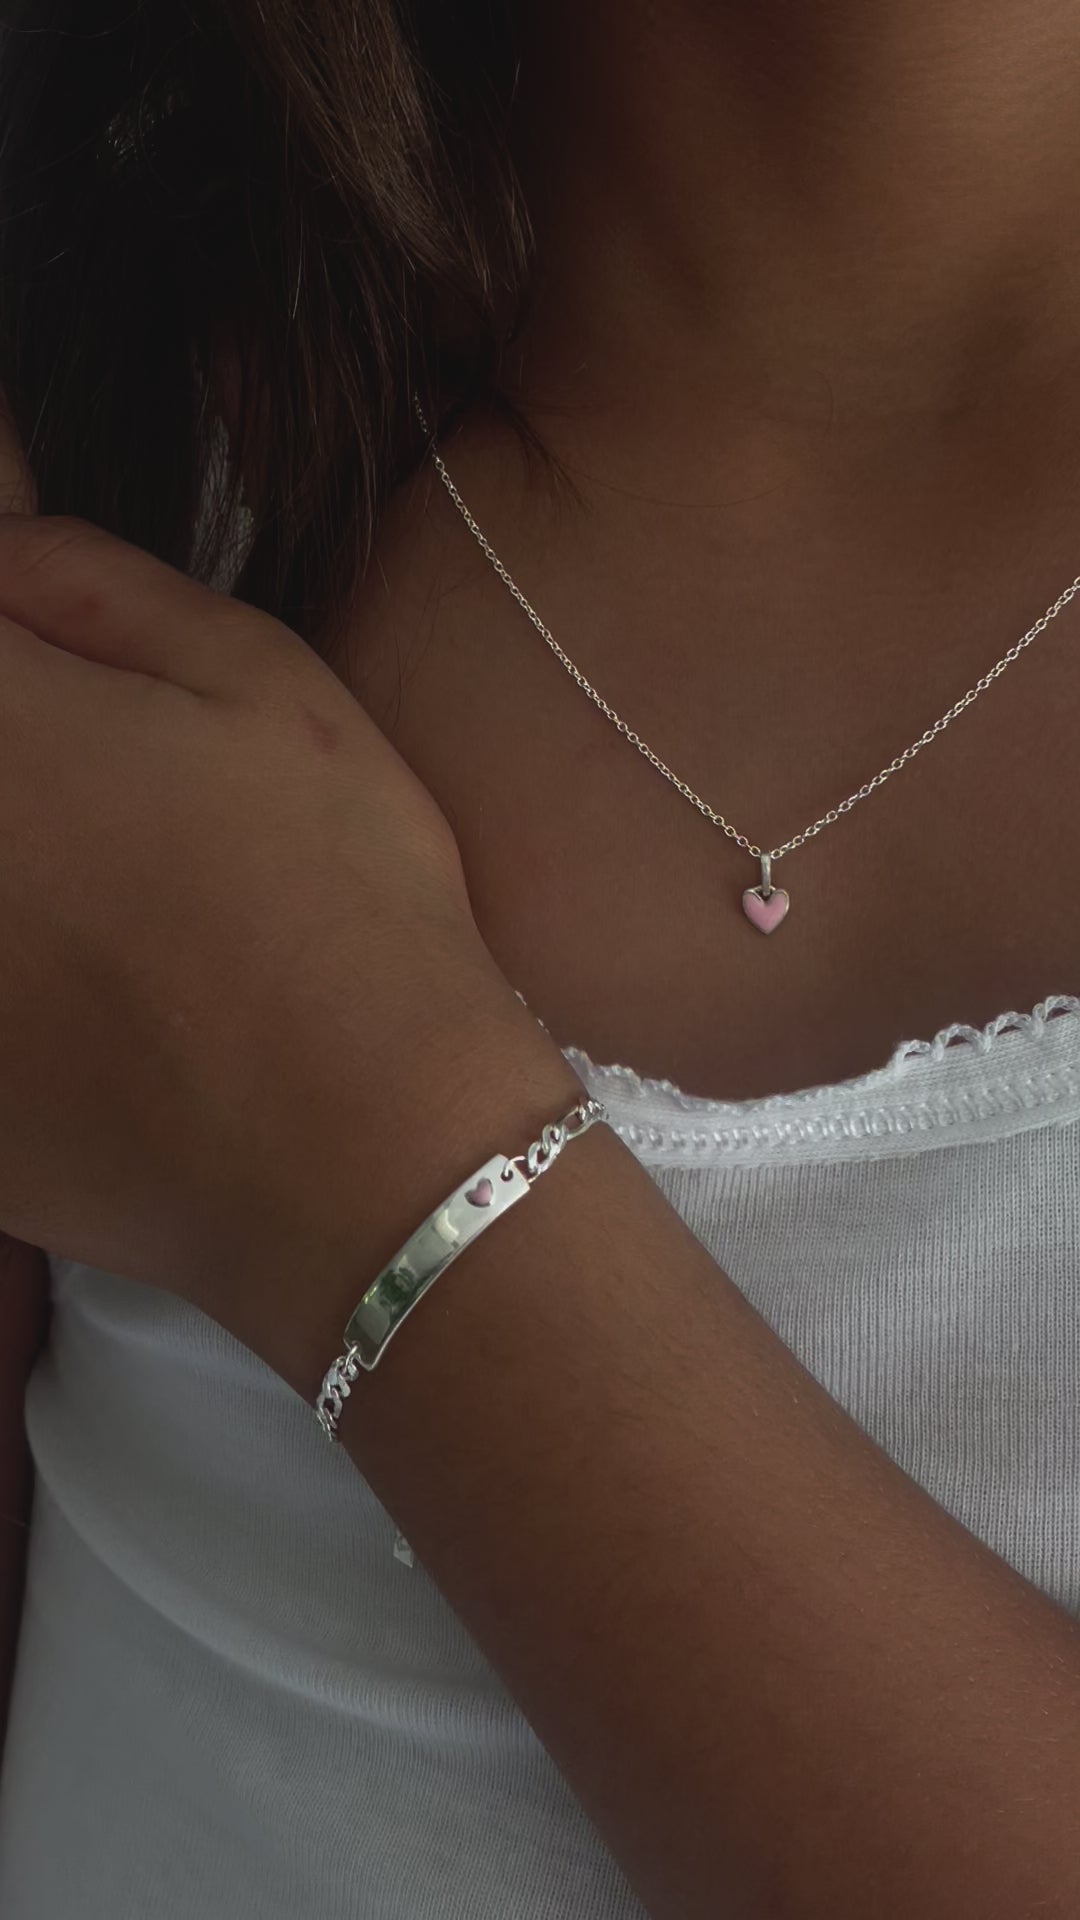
[628, 733]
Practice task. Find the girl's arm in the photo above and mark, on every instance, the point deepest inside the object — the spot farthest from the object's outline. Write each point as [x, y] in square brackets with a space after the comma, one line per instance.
[784, 1682]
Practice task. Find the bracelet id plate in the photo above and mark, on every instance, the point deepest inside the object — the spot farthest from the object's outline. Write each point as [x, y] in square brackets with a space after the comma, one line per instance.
[428, 1252]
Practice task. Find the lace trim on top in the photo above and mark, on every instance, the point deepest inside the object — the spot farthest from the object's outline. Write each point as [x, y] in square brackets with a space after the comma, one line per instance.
[965, 1084]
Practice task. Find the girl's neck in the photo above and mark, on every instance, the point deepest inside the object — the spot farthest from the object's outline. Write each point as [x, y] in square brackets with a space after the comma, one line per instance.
[867, 200]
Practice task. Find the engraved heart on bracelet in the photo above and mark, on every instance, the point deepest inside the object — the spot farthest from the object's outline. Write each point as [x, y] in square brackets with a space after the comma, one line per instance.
[481, 1194]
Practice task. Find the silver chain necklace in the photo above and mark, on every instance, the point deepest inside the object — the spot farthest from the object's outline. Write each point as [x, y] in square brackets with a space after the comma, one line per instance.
[765, 905]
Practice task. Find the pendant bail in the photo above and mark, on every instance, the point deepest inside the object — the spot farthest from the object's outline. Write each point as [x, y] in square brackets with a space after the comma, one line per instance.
[766, 872]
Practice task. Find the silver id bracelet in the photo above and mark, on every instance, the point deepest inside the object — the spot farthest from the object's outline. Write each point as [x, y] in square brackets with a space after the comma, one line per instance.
[428, 1252]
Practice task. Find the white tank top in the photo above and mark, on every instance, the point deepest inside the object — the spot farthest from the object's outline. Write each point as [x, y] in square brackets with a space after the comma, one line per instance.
[236, 1699]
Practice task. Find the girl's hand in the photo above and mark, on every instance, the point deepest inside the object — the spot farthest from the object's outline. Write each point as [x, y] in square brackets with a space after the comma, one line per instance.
[235, 938]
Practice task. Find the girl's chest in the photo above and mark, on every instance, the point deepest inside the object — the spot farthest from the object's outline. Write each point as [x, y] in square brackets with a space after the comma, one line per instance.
[615, 906]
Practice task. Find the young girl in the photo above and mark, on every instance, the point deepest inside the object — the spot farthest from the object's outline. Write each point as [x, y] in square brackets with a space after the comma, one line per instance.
[641, 446]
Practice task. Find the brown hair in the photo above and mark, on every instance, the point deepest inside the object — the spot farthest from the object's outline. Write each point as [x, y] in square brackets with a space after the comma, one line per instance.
[284, 214]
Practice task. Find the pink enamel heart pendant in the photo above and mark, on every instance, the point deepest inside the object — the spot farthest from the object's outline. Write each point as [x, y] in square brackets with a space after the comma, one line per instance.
[763, 914]
[481, 1194]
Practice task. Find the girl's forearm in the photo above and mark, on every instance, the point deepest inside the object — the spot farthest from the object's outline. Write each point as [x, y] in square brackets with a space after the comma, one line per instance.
[781, 1679]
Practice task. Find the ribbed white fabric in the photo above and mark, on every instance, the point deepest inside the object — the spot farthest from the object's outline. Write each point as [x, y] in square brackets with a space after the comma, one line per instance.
[233, 1702]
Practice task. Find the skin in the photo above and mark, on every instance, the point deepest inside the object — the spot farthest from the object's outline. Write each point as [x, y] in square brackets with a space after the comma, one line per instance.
[896, 1729]
[807, 342]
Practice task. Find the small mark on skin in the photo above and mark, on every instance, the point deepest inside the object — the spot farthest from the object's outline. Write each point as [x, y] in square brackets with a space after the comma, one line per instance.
[324, 733]
[88, 607]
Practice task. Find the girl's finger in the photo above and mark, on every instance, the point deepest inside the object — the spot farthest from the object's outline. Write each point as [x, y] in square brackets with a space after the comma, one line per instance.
[83, 590]
[36, 677]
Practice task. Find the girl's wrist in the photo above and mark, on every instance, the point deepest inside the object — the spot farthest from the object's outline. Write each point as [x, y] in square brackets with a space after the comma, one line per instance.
[472, 1074]
[483, 1077]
